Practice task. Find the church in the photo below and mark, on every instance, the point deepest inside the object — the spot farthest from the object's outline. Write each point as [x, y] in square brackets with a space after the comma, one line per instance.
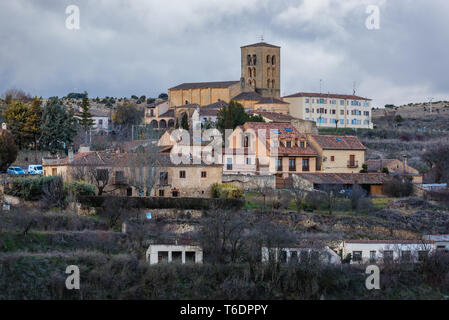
[257, 89]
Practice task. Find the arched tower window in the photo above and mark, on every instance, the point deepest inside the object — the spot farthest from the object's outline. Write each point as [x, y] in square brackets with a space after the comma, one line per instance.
[254, 72]
[268, 59]
[273, 60]
[268, 72]
[250, 72]
[272, 83]
[254, 59]
[254, 83]
[249, 82]
[268, 83]
[249, 60]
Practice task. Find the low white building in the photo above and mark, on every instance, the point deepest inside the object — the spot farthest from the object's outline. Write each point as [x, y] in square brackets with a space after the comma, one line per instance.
[174, 253]
[379, 251]
[301, 253]
[441, 240]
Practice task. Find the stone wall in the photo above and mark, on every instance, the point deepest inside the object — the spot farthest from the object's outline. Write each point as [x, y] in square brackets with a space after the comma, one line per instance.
[250, 182]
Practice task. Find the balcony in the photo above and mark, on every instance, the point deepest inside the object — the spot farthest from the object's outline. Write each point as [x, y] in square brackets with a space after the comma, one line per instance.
[292, 169]
[305, 169]
[353, 164]
[279, 168]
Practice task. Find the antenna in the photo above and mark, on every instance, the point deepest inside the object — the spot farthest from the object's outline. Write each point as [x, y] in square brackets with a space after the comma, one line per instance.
[353, 89]
[320, 85]
[261, 37]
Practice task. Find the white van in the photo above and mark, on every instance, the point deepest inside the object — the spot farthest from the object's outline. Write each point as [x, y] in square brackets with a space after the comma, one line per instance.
[35, 169]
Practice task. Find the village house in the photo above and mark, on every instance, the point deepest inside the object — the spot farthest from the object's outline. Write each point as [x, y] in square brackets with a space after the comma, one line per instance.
[386, 251]
[101, 120]
[441, 241]
[304, 252]
[278, 148]
[338, 154]
[136, 173]
[159, 115]
[395, 167]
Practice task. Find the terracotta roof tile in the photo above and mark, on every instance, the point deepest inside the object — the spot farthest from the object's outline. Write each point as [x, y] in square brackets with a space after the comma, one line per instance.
[338, 142]
[203, 85]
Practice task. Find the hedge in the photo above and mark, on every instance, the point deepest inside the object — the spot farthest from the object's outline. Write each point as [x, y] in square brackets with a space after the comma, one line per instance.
[31, 189]
[227, 191]
[163, 203]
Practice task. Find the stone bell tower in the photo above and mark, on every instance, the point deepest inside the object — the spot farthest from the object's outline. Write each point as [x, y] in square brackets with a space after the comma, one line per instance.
[261, 70]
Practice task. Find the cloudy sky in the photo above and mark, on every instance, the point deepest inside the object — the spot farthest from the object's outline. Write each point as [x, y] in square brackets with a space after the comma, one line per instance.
[144, 47]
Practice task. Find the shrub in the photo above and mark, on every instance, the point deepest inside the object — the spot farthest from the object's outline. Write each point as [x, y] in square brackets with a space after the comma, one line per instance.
[30, 189]
[226, 191]
[8, 150]
[77, 188]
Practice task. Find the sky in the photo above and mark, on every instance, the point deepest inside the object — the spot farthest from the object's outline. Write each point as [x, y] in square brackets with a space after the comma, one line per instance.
[144, 47]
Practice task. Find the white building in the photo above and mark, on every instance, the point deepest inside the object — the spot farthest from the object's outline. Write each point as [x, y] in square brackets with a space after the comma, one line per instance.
[300, 253]
[331, 110]
[441, 240]
[168, 253]
[378, 251]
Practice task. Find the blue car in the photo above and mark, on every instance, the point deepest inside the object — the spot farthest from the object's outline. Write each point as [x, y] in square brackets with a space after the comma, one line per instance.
[15, 170]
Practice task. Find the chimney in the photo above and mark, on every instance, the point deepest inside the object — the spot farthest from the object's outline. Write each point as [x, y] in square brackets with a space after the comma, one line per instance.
[70, 155]
[84, 148]
[404, 163]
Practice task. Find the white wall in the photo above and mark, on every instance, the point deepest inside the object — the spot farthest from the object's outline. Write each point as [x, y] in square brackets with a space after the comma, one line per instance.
[153, 250]
[326, 254]
[379, 248]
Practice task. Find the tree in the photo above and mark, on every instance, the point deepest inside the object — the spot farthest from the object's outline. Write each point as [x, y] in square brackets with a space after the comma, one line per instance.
[16, 117]
[86, 121]
[364, 168]
[33, 123]
[125, 116]
[8, 150]
[163, 96]
[437, 158]
[233, 115]
[58, 127]
[185, 122]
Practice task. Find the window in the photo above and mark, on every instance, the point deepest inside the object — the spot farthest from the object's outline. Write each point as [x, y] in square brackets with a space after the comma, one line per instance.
[268, 83]
[100, 122]
[372, 256]
[292, 164]
[342, 112]
[294, 257]
[388, 255]
[332, 158]
[422, 255]
[406, 255]
[203, 174]
[54, 171]
[283, 256]
[250, 72]
[289, 144]
[254, 72]
[302, 144]
[307, 110]
[190, 257]
[254, 62]
[248, 161]
[272, 83]
[342, 102]
[307, 100]
[342, 121]
[228, 163]
[182, 174]
[278, 164]
[245, 141]
[305, 165]
[163, 178]
[175, 193]
[357, 256]
[176, 257]
[273, 60]
[161, 193]
[268, 59]
[162, 257]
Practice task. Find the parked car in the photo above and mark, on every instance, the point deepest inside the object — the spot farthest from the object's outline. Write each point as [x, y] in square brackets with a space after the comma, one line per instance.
[15, 170]
[34, 169]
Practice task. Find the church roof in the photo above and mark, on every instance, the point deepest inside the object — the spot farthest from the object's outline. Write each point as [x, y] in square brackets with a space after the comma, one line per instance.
[248, 96]
[261, 44]
[203, 85]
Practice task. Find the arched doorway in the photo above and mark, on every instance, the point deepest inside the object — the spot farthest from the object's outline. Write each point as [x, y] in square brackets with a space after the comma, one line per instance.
[154, 124]
[163, 124]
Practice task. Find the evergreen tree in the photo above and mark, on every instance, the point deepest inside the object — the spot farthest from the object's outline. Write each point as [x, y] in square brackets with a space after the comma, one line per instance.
[33, 123]
[233, 115]
[8, 150]
[16, 117]
[58, 127]
[85, 121]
